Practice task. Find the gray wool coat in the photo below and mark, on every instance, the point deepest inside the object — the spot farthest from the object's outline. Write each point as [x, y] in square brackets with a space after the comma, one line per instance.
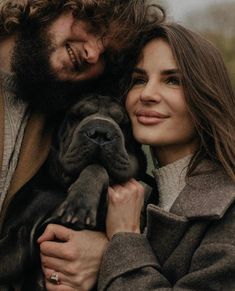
[192, 247]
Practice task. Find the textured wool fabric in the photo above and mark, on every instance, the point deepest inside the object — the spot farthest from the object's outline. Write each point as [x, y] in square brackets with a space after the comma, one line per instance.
[33, 152]
[191, 247]
[15, 120]
[170, 180]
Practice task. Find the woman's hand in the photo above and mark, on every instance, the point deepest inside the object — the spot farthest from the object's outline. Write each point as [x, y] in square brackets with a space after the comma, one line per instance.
[74, 255]
[124, 208]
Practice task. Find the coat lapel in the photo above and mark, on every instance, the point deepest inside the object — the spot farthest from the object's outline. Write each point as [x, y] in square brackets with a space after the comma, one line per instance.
[164, 231]
[34, 150]
[206, 196]
[1, 126]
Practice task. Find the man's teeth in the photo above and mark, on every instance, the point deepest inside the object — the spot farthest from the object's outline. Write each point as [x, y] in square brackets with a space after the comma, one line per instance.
[71, 55]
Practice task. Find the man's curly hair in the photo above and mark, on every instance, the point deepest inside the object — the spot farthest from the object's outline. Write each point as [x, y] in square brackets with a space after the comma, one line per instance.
[119, 20]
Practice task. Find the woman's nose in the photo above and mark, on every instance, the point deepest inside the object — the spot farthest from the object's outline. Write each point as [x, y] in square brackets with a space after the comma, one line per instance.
[150, 93]
[93, 49]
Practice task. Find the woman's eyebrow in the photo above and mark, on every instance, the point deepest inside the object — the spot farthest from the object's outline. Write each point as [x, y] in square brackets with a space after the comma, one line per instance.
[170, 72]
[163, 72]
[139, 71]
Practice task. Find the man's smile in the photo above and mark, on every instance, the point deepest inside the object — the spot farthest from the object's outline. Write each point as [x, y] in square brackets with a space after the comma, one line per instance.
[72, 56]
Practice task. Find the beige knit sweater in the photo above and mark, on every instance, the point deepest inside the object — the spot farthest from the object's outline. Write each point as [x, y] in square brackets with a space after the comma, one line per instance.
[171, 180]
[15, 120]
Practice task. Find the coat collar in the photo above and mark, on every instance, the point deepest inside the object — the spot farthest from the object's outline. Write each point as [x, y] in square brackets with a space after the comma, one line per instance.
[34, 150]
[1, 125]
[206, 197]
[207, 194]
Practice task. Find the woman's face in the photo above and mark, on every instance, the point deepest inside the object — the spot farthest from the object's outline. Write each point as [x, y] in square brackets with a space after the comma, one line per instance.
[156, 104]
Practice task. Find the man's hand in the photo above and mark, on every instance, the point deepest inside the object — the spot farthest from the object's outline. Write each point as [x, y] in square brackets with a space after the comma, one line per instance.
[74, 255]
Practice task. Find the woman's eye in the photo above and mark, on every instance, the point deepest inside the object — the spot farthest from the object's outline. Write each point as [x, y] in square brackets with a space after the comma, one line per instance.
[175, 81]
[137, 81]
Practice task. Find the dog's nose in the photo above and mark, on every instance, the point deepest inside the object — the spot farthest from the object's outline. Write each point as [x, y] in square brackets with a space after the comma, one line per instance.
[100, 135]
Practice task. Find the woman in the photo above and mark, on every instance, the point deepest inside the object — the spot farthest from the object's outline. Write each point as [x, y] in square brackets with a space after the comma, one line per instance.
[181, 103]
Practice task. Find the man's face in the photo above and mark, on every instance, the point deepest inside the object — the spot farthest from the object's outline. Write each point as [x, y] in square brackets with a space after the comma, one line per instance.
[54, 64]
[75, 53]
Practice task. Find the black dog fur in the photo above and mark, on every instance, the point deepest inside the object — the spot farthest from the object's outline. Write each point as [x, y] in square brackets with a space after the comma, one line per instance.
[93, 148]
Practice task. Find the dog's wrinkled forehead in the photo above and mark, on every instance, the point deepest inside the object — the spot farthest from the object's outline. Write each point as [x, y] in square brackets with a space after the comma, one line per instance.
[99, 104]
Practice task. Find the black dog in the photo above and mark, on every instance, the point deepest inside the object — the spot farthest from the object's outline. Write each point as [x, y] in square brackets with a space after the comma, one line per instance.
[93, 148]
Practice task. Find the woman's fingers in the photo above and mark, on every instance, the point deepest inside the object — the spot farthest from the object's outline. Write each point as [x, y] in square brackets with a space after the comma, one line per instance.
[55, 232]
[124, 208]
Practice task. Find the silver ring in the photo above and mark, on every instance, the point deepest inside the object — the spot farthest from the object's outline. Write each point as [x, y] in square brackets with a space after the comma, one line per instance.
[54, 278]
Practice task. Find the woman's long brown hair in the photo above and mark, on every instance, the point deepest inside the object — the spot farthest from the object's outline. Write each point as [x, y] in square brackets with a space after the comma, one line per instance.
[208, 93]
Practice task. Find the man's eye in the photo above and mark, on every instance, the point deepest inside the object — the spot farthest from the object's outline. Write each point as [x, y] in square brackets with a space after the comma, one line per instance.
[173, 81]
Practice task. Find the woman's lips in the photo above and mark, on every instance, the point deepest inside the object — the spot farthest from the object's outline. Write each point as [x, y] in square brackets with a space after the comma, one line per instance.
[150, 117]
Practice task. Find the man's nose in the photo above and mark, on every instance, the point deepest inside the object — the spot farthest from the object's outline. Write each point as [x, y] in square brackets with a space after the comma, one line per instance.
[93, 50]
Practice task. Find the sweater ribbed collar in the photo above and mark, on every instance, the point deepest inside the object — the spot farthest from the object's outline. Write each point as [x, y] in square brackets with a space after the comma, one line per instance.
[171, 180]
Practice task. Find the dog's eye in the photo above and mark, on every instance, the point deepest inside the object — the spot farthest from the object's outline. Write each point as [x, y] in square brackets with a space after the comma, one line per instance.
[81, 110]
[86, 109]
[117, 115]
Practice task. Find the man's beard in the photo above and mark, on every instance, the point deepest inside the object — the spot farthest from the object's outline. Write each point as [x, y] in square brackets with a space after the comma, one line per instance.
[36, 84]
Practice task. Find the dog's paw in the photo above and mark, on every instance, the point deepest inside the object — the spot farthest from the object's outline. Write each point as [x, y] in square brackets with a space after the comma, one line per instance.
[78, 216]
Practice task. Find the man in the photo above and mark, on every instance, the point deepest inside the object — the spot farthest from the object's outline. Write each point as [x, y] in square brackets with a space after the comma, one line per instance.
[50, 51]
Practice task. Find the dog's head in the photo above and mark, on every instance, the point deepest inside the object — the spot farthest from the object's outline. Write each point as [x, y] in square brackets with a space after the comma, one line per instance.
[97, 130]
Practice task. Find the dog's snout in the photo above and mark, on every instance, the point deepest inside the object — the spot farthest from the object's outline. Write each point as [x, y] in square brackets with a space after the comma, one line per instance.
[100, 135]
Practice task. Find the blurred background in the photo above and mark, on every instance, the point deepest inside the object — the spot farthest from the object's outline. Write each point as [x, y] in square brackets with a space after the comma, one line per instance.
[214, 19]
